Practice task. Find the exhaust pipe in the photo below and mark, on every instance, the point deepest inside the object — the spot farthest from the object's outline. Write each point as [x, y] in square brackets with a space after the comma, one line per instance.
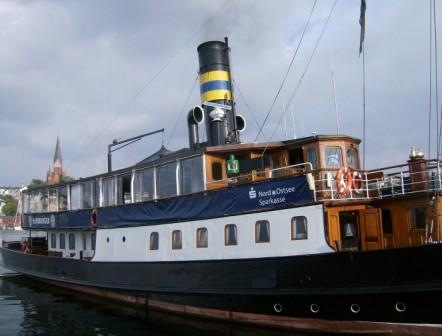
[194, 118]
[240, 123]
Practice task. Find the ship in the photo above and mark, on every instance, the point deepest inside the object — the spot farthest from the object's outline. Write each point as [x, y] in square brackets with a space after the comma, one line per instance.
[290, 234]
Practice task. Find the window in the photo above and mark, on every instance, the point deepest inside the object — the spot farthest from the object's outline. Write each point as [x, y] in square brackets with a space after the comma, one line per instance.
[97, 198]
[262, 231]
[299, 227]
[87, 192]
[124, 189]
[62, 198]
[44, 201]
[312, 157]
[53, 200]
[25, 198]
[217, 171]
[71, 241]
[230, 235]
[352, 158]
[62, 241]
[167, 180]
[109, 186]
[144, 185]
[53, 240]
[387, 223]
[84, 241]
[93, 236]
[177, 243]
[191, 175]
[75, 197]
[154, 241]
[296, 156]
[333, 157]
[418, 218]
[201, 237]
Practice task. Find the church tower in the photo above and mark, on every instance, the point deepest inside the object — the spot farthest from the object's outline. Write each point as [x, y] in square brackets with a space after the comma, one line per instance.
[57, 172]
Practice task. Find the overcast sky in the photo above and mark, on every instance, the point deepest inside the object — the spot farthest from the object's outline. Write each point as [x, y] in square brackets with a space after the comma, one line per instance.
[92, 71]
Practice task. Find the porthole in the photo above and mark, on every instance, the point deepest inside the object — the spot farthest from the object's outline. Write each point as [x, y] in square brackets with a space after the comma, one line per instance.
[314, 308]
[124, 239]
[277, 307]
[354, 308]
[400, 307]
[107, 239]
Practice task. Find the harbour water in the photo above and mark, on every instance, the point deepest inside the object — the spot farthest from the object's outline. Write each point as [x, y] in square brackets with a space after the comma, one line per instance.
[28, 307]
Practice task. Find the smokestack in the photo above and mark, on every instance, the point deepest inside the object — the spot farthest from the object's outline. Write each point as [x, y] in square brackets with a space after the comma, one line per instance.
[216, 94]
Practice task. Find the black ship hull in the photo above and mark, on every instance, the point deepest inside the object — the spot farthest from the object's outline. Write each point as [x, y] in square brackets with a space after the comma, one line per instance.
[395, 285]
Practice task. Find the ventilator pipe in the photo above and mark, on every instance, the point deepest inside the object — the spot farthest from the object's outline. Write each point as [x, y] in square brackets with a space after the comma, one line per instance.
[194, 118]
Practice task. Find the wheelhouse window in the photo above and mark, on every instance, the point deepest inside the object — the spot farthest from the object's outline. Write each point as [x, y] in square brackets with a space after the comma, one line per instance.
[144, 185]
[177, 242]
[71, 241]
[97, 198]
[262, 231]
[87, 192]
[299, 228]
[312, 157]
[25, 198]
[53, 240]
[154, 241]
[167, 180]
[191, 175]
[333, 157]
[230, 235]
[352, 158]
[62, 198]
[62, 241]
[75, 197]
[201, 237]
[217, 171]
[45, 200]
[387, 222]
[418, 218]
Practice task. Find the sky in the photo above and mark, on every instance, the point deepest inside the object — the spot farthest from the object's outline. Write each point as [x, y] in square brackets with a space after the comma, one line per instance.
[93, 71]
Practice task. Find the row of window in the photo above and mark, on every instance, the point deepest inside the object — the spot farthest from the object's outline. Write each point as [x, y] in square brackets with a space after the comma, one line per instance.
[71, 241]
[262, 234]
[171, 179]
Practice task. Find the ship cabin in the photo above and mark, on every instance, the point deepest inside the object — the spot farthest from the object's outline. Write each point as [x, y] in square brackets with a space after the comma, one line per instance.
[390, 207]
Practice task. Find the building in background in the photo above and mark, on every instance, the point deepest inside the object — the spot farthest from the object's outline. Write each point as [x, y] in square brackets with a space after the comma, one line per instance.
[54, 176]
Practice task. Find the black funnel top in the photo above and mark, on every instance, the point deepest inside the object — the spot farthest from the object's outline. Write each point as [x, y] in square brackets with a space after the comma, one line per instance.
[213, 55]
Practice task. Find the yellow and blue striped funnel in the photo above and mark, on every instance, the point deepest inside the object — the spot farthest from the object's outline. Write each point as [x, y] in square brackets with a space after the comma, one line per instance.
[214, 72]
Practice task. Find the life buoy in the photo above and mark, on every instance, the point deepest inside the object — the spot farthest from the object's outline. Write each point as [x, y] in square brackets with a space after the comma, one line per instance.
[94, 219]
[344, 180]
[357, 183]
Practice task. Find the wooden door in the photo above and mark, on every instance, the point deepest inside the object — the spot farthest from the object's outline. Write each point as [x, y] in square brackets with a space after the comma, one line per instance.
[371, 230]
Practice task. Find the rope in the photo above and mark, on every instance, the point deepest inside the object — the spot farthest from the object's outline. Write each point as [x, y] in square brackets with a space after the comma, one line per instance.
[183, 109]
[287, 72]
[304, 73]
[248, 107]
[148, 83]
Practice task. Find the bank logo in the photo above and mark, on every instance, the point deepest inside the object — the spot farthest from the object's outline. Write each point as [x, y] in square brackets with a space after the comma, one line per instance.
[252, 193]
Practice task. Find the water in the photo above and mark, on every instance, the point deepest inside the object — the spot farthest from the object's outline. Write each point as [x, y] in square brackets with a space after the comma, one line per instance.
[28, 307]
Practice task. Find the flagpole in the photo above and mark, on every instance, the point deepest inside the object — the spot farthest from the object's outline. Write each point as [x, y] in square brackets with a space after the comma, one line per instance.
[363, 106]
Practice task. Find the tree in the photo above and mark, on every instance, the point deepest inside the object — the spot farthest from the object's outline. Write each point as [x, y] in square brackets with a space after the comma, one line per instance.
[9, 209]
[37, 183]
[65, 179]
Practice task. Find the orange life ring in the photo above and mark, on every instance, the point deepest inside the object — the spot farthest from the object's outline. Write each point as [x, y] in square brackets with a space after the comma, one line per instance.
[94, 219]
[344, 180]
[357, 182]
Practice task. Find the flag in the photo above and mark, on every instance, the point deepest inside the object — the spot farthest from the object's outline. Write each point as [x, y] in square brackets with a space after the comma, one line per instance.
[362, 23]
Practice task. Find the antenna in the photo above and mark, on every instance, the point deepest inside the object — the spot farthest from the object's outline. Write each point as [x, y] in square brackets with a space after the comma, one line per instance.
[334, 92]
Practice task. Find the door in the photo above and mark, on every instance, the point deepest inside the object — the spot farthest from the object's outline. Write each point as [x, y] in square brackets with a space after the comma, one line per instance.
[371, 231]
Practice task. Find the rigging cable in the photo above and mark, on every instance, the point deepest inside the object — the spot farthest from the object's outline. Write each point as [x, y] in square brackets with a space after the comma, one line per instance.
[248, 107]
[436, 82]
[287, 72]
[431, 80]
[149, 82]
[183, 109]
[304, 73]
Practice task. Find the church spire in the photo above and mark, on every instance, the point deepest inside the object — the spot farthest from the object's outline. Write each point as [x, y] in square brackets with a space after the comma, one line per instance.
[58, 161]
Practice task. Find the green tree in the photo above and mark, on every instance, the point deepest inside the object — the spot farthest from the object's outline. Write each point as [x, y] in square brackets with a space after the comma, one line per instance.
[65, 179]
[37, 183]
[9, 209]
